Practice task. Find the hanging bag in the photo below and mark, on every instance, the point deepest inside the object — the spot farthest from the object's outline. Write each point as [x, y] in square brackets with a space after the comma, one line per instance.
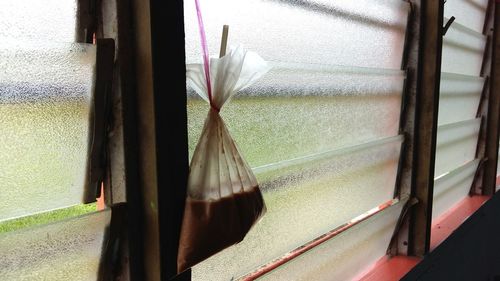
[223, 197]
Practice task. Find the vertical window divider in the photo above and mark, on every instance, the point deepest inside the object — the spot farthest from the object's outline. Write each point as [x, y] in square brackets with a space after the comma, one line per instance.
[170, 129]
[99, 118]
[428, 80]
[115, 19]
[491, 145]
[399, 242]
[482, 110]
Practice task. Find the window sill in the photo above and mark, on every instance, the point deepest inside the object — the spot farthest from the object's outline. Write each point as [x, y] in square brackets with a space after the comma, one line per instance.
[395, 268]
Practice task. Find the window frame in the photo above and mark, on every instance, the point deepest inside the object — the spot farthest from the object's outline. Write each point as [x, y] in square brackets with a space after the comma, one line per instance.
[167, 152]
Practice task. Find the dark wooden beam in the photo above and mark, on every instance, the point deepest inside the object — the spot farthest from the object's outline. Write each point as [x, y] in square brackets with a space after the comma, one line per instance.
[426, 115]
[491, 146]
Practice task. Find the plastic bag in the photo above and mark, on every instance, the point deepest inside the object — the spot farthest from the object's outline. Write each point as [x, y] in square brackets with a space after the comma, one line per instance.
[223, 198]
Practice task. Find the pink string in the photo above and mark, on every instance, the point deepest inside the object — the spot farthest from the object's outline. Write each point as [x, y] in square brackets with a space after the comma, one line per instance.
[206, 58]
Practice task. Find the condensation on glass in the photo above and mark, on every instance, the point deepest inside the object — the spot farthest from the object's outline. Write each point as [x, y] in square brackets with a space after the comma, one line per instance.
[452, 187]
[46, 21]
[300, 109]
[345, 256]
[459, 97]
[456, 145]
[470, 13]
[341, 32]
[66, 250]
[45, 95]
[463, 50]
[306, 198]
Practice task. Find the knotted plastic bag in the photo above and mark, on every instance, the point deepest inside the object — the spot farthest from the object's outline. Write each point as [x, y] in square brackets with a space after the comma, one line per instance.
[223, 197]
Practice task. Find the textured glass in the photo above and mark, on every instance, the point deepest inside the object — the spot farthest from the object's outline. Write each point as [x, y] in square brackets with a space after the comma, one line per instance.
[463, 50]
[470, 13]
[456, 145]
[308, 197]
[66, 250]
[296, 110]
[342, 32]
[452, 187]
[46, 21]
[459, 97]
[45, 93]
[344, 256]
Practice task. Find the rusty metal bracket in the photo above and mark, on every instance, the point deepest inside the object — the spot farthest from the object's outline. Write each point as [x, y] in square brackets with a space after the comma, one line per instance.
[483, 98]
[404, 213]
[477, 176]
[99, 118]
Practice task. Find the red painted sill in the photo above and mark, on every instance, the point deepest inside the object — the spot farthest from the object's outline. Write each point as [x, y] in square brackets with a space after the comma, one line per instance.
[391, 269]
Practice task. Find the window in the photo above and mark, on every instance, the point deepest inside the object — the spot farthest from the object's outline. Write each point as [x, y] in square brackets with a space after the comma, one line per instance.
[320, 129]
[460, 118]
[335, 132]
[50, 136]
[46, 107]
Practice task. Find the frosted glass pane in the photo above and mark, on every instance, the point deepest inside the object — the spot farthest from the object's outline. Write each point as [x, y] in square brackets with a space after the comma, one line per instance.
[345, 256]
[45, 93]
[297, 110]
[66, 250]
[47, 20]
[470, 13]
[463, 50]
[452, 187]
[342, 32]
[456, 145]
[306, 198]
[459, 97]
